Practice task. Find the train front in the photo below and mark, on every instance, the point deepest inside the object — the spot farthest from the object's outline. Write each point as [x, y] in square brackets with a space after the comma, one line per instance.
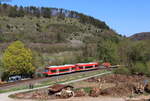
[46, 71]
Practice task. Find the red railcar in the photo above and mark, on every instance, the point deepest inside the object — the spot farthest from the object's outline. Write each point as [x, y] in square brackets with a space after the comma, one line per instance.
[86, 66]
[62, 69]
[55, 70]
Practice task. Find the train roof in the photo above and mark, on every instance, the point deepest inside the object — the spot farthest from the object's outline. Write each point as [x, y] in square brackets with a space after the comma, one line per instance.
[67, 65]
[86, 63]
[70, 65]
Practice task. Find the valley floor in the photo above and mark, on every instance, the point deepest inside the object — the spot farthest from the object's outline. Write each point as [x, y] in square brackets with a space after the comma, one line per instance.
[117, 92]
[4, 97]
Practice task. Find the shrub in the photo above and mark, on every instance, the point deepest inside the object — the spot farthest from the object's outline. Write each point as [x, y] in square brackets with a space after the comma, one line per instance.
[148, 67]
[38, 74]
[123, 70]
[5, 76]
[148, 64]
[140, 68]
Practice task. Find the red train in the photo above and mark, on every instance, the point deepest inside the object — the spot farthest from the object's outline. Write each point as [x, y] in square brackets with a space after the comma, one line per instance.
[62, 69]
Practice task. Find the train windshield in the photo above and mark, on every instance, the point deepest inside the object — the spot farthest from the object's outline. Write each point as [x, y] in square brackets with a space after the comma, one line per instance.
[53, 71]
[46, 70]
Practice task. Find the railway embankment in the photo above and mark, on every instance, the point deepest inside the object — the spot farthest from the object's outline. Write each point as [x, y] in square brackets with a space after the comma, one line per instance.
[6, 95]
[41, 82]
[113, 87]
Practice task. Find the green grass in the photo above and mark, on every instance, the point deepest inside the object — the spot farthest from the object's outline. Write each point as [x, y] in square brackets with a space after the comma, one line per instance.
[13, 89]
[30, 28]
[70, 78]
[86, 89]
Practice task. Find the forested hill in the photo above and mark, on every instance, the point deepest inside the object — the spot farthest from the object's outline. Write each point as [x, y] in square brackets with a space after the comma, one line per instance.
[141, 36]
[49, 31]
[31, 19]
[58, 36]
[15, 11]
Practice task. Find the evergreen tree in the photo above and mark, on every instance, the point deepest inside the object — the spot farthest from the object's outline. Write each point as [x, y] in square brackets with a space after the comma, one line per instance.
[46, 12]
[13, 12]
[21, 12]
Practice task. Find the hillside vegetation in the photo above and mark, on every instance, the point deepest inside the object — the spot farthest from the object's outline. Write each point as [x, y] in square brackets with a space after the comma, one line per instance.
[141, 36]
[58, 36]
[65, 32]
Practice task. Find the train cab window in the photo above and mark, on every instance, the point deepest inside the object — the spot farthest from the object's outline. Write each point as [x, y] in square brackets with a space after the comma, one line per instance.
[53, 71]
[46, 70]
[89, 67]
[81, 67]
[73, 68]
[96, 65]
[63, 70]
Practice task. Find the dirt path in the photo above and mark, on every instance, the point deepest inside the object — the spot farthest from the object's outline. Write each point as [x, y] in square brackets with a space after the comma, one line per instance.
[92, 99]
[4, 97]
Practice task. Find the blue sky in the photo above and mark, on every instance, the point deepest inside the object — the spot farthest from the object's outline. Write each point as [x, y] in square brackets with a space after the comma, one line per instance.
[124, 16]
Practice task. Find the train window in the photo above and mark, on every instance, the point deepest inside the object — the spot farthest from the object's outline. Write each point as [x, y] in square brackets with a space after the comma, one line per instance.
[73, 68]
[89, 67]
[63, 70]
[53, 71]
[96, 65]
[81, 67]
[46, 70]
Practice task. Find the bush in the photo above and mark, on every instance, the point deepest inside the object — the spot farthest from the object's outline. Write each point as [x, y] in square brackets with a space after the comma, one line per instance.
[88, 59]
[148, 67]
[37, 75]
[123, 70]
[140, 68]
[148, 64]
[5, 76]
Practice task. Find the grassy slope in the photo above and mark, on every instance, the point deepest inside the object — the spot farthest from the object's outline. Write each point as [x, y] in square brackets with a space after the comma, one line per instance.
[51, 36]
[141, 36]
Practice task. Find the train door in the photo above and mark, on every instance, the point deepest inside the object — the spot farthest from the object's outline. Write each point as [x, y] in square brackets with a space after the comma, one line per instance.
[83, 67]
[70, 69]
[57, 71]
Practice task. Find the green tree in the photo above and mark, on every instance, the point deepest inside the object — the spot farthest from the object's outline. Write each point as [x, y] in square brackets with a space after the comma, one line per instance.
[107, 51]
[61, 15]
[46, 12]
[1, 68]
[122, 70]
[148, 67]
[13, 12]
[18, 60]
[140, 68]
[132, 51]
[21, 12]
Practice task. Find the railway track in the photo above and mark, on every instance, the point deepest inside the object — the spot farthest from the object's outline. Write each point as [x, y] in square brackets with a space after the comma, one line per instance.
[21, 81]
[41, 79]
